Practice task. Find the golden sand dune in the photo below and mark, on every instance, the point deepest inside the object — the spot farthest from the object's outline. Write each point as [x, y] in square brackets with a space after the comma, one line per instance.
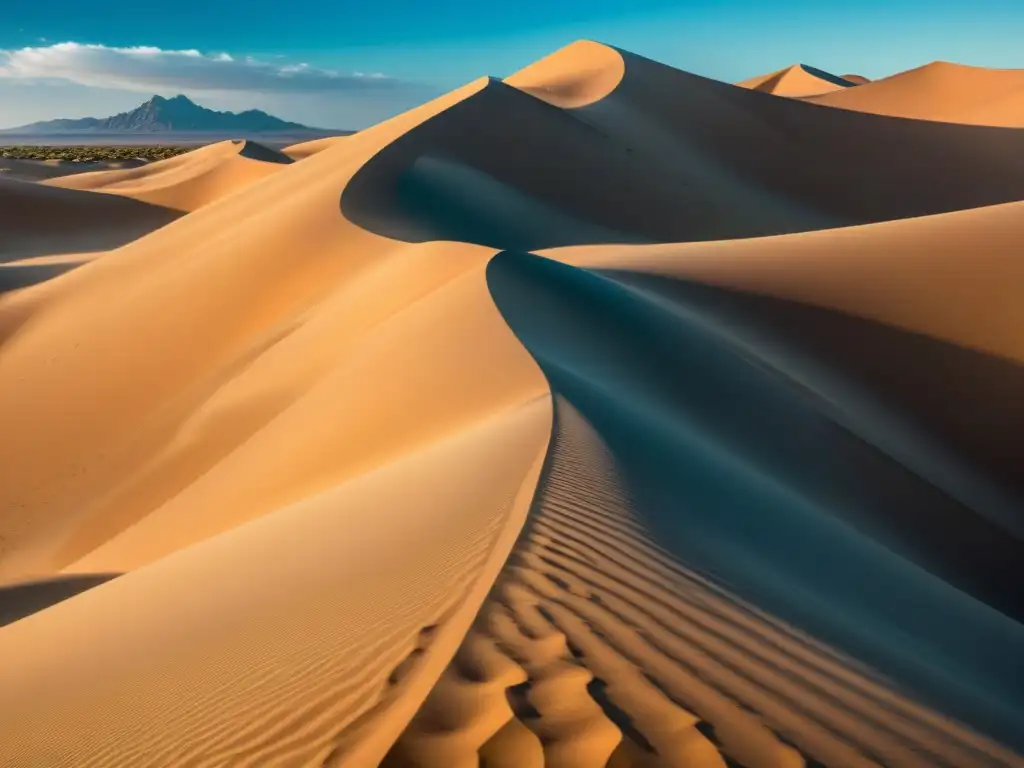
[339, 471]
[797, 81]
[186, 182]
[308, 148]
[941, 91]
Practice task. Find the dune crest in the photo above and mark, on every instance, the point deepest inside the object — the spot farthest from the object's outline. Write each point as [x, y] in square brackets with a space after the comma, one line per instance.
[797, 81]
[579, 74]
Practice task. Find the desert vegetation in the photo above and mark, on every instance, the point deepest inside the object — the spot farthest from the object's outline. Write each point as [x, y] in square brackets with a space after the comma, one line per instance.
[92, 154]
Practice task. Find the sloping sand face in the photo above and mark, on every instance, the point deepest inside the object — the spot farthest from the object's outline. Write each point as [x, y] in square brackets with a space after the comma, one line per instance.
[941, 91]
[186, 182]
[376, 495]
[309, 148]
[598, 646]
[765, 507]
[38, 221]
[797, 81]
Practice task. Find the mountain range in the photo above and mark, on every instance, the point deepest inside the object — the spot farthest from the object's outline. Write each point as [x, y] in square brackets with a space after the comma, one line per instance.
[162, 115]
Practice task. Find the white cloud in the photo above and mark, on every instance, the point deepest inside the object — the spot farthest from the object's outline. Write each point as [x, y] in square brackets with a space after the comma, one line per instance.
[148, 69]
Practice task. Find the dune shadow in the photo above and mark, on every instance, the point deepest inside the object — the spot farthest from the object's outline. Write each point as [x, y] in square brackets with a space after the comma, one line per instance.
[17, 601]
[14, 277]
[39, 220]
[826, 76]
[748, 469]
[668, 157]
[256, 151]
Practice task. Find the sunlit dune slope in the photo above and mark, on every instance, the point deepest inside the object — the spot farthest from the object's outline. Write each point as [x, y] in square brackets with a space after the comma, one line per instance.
[190, 378]
[180, 356]
[308, 148]
[186, 182]
[942, 91]
[796, 81]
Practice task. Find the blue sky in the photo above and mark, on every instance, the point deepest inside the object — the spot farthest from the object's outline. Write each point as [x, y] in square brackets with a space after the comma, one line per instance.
[341, 64]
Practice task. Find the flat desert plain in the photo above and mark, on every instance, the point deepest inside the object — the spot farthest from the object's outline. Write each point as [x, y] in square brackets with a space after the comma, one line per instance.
[601, 416]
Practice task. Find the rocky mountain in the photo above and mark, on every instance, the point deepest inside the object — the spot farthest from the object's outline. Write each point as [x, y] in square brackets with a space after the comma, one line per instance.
[161, 115]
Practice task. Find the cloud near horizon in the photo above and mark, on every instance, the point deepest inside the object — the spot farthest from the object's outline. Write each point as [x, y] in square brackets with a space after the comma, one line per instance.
[147, 69]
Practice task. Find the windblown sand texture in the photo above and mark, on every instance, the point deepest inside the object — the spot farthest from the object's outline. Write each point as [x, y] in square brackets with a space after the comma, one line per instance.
[603, 416]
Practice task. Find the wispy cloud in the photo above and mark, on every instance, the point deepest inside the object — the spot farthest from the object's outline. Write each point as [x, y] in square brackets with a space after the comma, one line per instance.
[145, 68]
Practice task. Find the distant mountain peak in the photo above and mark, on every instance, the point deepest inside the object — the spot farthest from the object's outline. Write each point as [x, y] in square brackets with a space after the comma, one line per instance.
[163, 115]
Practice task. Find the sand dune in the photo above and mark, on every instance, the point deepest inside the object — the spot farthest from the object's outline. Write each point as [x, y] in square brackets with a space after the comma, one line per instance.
[39, 170]
[725, 475]
[941, 91]
[610, 652]
[856, 79]
[186, 182]
[39, 221]
[308, 148]
[716, 162]
[22, 273]
[797, 81]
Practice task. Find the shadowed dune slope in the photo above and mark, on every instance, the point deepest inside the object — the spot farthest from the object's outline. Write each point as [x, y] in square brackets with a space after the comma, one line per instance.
[713, 162]
[23, 599]
[796, 81]
[952, 276]
[38, 221]
[186, 182]
[754, 475]
[39, 170]
[22, 273]
[941, 91]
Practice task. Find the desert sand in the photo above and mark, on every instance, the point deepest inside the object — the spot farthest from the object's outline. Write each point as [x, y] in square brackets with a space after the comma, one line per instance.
[606, 415]
[952, 93]
[798, 80]
[39, 170]
[308, 148]
[188, 181]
